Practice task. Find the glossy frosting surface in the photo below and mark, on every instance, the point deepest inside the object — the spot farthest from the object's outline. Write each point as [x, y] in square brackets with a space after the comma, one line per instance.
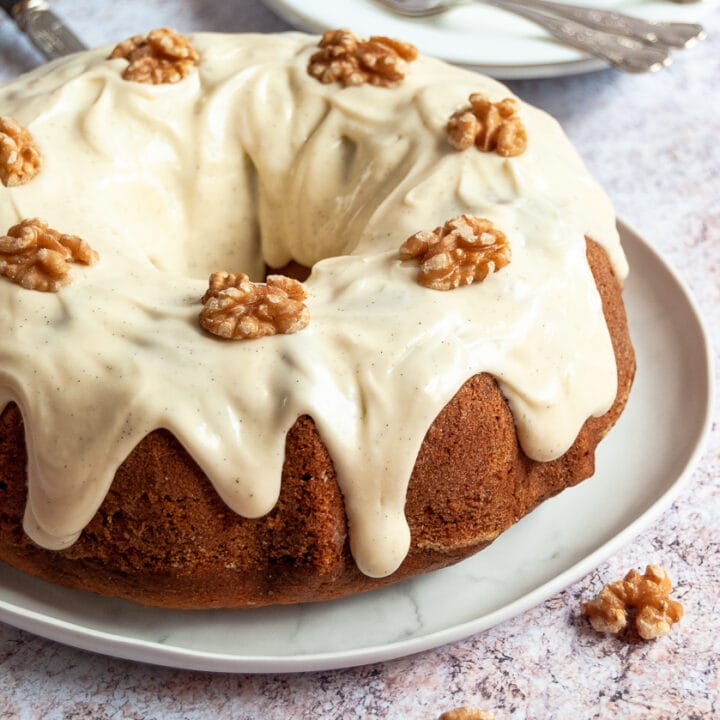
[250, 161]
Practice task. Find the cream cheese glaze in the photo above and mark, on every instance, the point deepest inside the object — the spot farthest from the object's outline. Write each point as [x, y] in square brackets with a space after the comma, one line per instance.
[251, 161]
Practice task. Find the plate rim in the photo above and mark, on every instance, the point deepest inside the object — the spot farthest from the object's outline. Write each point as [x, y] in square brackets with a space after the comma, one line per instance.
[157, 653]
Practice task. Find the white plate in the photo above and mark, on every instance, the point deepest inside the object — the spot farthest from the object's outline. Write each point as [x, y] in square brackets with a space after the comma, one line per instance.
[641, 468]
[490, 40]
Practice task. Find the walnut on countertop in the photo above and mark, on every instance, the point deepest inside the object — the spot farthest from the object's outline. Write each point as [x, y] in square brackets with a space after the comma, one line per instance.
[37, 257]
[465, 250]
[648, 595]
[345, 58]
[19, 157]
[236, 308]
[162, 56]
[467, 713]
[489, 126]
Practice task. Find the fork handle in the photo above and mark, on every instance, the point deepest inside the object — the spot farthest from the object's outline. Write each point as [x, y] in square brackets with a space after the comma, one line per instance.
[624, 53]
[678, 35]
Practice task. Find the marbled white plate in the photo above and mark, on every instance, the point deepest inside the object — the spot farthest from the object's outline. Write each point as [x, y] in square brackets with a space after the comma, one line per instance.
[641, 468]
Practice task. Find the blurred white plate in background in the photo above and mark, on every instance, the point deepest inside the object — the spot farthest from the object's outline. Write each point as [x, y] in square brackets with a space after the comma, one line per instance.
[490, 40]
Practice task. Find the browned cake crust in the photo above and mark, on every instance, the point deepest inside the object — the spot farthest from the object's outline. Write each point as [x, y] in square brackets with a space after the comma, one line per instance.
[164, 537]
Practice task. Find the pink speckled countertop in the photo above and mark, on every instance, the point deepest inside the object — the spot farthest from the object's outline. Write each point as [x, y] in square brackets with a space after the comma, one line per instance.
[652, 141]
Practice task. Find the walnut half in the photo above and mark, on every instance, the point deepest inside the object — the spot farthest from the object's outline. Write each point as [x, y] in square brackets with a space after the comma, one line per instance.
[648, 595]
[19, 157]
[345, 58]
[162, 56]
[236, 308]
[489, 126]
[37, 257]
[465, 250]
[467, 713]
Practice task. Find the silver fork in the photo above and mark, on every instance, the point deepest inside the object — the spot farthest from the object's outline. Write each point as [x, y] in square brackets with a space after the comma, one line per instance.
[626, 42]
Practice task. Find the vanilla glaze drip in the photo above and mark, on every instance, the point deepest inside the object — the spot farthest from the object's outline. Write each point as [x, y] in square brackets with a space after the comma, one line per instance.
[251, 161]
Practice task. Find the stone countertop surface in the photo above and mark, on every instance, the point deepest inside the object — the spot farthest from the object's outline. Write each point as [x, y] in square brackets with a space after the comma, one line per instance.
[654, 143]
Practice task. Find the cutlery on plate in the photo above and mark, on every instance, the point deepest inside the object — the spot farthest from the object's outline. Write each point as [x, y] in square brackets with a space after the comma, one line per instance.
[626, 42]
[44, 29]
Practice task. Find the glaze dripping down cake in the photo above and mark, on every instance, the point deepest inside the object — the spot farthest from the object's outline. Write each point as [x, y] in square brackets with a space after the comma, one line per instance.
[455, 355]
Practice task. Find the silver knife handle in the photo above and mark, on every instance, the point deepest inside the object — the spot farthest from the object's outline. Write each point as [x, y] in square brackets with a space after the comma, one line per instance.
[46, 31]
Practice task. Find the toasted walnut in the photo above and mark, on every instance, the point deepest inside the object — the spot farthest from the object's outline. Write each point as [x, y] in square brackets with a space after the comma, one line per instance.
[163, 56]
[238, 309]
[37, 257]
[467, 713]
[648, 595]
[19, 157]
[466, 249]
[489, 126]
[346, 59]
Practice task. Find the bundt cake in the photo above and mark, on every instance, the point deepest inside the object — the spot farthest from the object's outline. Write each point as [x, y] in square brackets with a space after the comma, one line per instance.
[455, 354]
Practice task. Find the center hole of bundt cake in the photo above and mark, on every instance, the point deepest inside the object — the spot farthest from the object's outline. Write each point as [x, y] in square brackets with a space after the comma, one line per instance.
[293, 269]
